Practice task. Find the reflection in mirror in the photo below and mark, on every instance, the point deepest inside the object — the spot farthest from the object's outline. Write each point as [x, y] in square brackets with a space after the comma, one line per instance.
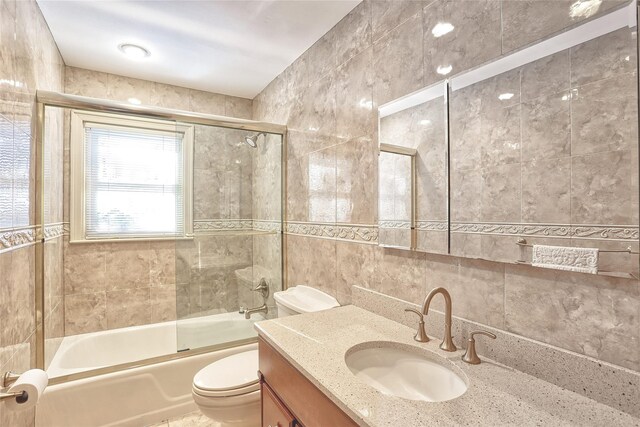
[418, 122]
[395, 201]
[545, 152]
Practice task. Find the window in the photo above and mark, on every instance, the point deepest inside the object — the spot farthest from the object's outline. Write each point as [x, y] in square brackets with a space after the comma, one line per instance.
[129, 178]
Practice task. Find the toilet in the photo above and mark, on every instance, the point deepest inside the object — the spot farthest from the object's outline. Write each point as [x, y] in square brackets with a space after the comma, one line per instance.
[228, 390]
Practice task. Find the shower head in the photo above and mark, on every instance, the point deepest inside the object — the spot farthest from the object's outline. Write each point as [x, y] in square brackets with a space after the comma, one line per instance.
[252, 141]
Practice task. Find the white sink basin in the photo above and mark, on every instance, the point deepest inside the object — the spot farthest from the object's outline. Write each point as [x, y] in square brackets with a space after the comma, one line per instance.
[402, 371]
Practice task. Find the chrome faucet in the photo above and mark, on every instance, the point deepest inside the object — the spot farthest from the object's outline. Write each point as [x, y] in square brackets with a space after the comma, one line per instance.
[263, 288]
[447, 341]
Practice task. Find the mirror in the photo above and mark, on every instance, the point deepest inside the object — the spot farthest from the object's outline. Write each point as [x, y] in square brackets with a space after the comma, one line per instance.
[541, 149]
[417, 125]
[396, 197]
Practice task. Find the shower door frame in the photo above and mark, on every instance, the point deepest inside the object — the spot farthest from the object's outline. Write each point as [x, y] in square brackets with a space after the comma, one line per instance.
[62, 100]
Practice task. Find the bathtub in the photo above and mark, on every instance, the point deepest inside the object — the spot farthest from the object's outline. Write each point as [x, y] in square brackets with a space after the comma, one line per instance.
[141, 395]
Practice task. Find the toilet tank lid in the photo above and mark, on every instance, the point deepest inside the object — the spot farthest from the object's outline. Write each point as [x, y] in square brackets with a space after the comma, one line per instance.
[305, 299]
[228, 373]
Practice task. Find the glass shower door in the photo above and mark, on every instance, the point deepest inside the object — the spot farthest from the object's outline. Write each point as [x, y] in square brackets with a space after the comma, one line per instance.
[236, 240]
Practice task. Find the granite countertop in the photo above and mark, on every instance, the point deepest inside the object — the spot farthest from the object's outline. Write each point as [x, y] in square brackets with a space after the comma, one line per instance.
[316, 343]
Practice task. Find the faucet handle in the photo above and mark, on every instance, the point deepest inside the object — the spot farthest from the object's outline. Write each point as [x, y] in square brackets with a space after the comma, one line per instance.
[470, 356]
[421, 335]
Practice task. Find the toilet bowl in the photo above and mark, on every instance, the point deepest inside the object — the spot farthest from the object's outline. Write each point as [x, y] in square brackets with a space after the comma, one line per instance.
[228, 390]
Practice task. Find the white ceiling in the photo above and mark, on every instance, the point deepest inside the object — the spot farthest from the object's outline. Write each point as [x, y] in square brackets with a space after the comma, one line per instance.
[234, 47]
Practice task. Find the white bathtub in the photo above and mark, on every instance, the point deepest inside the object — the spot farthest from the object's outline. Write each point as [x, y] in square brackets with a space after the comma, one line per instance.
[94, 350]
[137, 396]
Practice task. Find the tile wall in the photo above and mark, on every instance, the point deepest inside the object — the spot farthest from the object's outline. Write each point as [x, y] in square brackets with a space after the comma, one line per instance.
[29, 60]
[328, 97]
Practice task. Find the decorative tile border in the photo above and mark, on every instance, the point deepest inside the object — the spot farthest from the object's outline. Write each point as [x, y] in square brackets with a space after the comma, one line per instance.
[394, 224]
[432, 225]
[13, 238]
[212, 225]
[52, 231]
[349, 232]
[267, 225]
[216, 225]
[600, 232]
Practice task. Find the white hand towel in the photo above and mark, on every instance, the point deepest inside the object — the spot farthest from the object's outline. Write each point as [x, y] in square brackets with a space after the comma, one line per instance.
[583, 260]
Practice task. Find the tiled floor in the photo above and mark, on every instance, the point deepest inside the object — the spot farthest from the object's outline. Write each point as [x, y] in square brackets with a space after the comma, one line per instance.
[194, 419]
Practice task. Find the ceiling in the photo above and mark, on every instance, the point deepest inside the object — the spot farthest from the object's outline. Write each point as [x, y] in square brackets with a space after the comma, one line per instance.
[233, 47]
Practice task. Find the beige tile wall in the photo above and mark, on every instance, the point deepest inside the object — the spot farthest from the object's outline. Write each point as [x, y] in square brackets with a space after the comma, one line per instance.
[29, 60]
[328, 98]
[114, 285]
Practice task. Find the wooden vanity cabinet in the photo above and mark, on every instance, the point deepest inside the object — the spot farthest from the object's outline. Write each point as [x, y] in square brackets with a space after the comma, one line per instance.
[274, 413]
[291, 399]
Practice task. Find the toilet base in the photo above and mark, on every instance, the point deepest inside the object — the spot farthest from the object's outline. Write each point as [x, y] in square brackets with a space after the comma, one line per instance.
[234, 411]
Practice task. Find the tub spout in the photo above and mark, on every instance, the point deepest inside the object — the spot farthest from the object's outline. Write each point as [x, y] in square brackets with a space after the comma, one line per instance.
[262, 309]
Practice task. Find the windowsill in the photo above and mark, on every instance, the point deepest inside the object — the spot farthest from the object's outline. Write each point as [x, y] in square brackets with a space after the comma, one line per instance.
[132, 239]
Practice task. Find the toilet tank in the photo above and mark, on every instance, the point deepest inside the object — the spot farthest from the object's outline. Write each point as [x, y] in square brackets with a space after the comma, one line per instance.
[302, 299]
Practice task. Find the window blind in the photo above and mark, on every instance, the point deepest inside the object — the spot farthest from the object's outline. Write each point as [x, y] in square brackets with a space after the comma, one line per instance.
[133, 182]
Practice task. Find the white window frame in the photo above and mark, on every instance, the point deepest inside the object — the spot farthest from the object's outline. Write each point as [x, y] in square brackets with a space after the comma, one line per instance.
[77, 194]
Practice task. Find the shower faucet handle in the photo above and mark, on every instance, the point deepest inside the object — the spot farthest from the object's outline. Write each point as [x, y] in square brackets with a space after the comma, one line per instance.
[263, 288]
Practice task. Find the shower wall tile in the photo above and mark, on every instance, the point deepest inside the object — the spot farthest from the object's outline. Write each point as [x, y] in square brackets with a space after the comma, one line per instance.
[522, 23]
[79, 81]
[120, 88]
[169, 96]
[127, 265]
[355, 265]
[321, 58]
[553, 205]
[314, 110]
[604, 115]
[397, 60]
[474, 39]
[95, 84]
[546, 127]
[466, 245]
[238, 107]
[85, 313]
[592, 178]
[206, 102]
[355, 112]
[128, 307]
[321, 189]
[546, 76]
[501, 194]
[587, 314]
[84, 268]
[353, 33]
[603, 57]
[400, 274]
[305, 268]
[466, 185]
[388, 14]
[356, 163]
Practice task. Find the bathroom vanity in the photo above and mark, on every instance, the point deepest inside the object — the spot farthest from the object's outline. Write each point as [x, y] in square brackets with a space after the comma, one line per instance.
[307, 379]
[286, 391]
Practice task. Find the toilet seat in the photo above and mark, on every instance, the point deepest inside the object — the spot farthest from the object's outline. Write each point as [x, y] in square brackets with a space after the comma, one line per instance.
[234, 375]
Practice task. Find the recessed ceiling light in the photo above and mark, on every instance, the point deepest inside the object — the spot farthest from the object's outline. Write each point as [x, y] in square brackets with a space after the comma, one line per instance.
[134, 101]
[584, 8]
[441, 29]
[425, 122]
[505, 96]
[134, 51]
[444, 69]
